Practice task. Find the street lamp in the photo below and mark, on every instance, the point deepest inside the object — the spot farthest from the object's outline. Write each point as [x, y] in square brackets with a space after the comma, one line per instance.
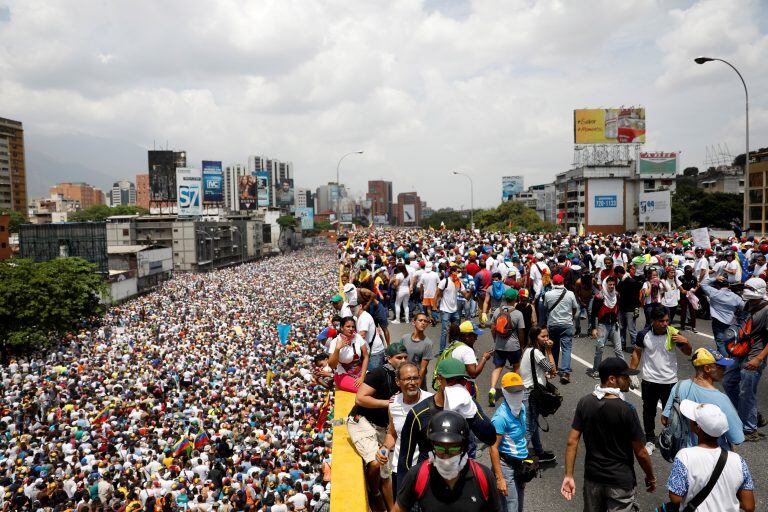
[471, 198]
[338, 185]
[704, 60]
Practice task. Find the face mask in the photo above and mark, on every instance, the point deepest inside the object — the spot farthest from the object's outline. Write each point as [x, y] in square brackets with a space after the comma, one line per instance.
[449, 468]
[514, 400]
[458, 399]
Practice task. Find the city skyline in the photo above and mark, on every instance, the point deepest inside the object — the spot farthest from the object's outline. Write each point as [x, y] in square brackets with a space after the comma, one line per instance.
[423, 88]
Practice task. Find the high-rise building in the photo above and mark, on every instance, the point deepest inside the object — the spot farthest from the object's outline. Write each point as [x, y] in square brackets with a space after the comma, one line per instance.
[231, 175]
[327, 197]
[123, 193]
[142, 190]
[380, 195]
[162, 166]
[279, 173]
[13, 174]
[408, 209]
[304, 198]
[87, 195]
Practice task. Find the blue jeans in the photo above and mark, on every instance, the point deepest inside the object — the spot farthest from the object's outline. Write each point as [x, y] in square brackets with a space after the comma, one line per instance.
[582, 314]
[722, 332]
[376, 361]
[532, 422]
[445, 322]
[628, 329]
[513, 502]
[740, 385]
[607, 333]
[562, 338]
[542, 313]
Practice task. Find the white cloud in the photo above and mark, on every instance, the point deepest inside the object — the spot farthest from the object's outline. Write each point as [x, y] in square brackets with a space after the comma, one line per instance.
[424, 88]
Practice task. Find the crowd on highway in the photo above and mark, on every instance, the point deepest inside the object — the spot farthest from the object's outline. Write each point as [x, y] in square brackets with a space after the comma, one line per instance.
[418, 432]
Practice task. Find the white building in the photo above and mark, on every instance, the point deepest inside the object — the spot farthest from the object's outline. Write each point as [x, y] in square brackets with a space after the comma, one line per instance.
[231, 174]
[278, 172]
[123, 193]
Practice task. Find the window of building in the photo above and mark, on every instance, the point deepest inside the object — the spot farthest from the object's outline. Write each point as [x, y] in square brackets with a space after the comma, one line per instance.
[756, 196]
[126, 232]
[756, 179]
[756, 213]
[649, 184]
[266, 233]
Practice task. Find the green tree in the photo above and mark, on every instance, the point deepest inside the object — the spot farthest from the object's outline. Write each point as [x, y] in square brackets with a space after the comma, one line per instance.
[692, 207]
[41, 301]
[512, 216]
[287, 222]
[452, 219]
[17, 219]
[100, 212]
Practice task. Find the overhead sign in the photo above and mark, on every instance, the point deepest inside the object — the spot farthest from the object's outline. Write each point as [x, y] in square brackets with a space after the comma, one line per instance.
[409, 214]
[262, 187]
[605, 204]
[605, 201]
[511, 186]
[655, 207]
[213, 179]
[609, 126]
[306, 216]
[664, 164]
[189, 191]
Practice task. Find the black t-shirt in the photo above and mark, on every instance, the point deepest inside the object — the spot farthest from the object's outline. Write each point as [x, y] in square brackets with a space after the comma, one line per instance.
[382, 381]
[466, 495]
[629, 293]
[608, 426]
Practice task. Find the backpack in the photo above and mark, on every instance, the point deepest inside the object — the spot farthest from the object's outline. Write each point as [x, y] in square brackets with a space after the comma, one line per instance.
[445, 354]
[502, 327]
[422, 477]
[742, 343]
[675, 435]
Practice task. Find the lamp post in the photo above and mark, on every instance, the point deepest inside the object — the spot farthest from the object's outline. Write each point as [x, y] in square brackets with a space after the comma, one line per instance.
[704, 60]
[338, 186]
[471, 198]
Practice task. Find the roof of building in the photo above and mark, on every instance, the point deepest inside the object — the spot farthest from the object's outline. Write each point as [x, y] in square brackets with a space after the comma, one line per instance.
[129, 249]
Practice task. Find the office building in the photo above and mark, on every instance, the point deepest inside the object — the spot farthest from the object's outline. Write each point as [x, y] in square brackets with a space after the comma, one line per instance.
[304, 198]
[86, 240]
[161, 165]
[380, 195]
[5, 237]
[13, 174]
[142, 190]
[231, 175]
[123, 193]
[408, 209]
[756, 198]
[327, 197]
[278, 171]
[85, 194]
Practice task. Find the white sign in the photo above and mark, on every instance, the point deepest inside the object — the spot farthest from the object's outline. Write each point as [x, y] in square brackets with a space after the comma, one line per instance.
[189, 191]
[701, 238]
[605, 204]
[409, 214]
[654, 207]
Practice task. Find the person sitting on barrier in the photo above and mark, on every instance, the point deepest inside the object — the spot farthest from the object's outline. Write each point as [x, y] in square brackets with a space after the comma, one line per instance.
[367, 424]
[449, 480]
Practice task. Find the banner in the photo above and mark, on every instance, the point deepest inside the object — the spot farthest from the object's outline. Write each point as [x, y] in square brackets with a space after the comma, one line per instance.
[657, 164]
[262, 188]
[701, 238]
[247, 191]
[285, 193]
[605, 204]
[511, 186]
[189, 191]
[307, 217]
[655, 207]
[409, 214]
[609, 126]
[213, 179]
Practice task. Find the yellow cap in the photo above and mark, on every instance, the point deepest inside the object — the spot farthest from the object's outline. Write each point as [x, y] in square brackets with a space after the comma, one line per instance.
[511, 381]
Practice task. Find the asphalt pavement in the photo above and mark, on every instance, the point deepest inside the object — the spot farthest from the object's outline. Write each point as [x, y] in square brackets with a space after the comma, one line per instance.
[543, 494]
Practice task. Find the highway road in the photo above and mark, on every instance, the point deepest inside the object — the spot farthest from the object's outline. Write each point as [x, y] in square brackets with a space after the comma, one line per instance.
[543, 494]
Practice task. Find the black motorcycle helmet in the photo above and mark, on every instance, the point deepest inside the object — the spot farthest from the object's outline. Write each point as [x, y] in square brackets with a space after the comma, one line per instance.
[448, 427]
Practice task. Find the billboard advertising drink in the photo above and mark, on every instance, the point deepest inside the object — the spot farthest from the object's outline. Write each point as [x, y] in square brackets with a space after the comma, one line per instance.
[609, 125]
[247, 191]
[664, 164]
[655, 207]
[189, 191]
[213, 179]
[262, 188]
[285, 193]
[511, 186]
[307, 217]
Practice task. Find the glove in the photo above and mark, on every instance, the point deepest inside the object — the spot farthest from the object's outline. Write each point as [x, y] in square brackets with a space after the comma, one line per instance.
[483, 318]
[634, 382]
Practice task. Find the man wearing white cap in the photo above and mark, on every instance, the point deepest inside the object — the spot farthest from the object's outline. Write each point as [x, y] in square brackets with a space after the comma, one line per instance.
[707, 478]
[742, 378]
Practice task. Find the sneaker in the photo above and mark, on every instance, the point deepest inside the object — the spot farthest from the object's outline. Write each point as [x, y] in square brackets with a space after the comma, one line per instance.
[592, 373]
[761, 421]
[752, 437]
[694, 331]
[650, 447]
[546, 456]
[565, 378]
[394, 321]
[492, 397]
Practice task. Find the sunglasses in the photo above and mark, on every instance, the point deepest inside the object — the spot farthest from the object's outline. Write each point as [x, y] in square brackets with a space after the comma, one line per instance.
[447, 450]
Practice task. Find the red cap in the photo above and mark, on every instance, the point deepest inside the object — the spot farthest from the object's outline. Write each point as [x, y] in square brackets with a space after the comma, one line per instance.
[558, 279]
[422, 263]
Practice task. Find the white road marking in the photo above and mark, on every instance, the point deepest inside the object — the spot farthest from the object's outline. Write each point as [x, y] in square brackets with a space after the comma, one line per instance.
[589, 365]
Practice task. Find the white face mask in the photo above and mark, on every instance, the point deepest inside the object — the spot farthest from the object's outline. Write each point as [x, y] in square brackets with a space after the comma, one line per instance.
[449, 468]
[458, 399]
[514, 400]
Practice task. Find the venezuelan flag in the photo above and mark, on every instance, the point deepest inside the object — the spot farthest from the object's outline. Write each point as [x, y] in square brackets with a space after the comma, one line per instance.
[103, 416]
[182, 446]
[201, 440]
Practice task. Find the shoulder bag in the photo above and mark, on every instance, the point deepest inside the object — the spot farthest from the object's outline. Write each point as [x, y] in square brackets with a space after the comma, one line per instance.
[703, 493]
[547, 397]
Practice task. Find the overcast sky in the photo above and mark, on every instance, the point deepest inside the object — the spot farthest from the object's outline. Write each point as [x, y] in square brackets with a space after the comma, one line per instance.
[423, 87]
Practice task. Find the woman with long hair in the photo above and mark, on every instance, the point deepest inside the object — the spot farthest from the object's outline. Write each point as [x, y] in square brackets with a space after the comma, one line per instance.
[348, 356]
[402, 285]
[540, 346]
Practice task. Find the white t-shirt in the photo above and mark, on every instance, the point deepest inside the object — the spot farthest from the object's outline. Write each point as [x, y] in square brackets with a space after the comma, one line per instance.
[399, 410]
[465, 354]
[345, 311]
[429, 282]
[404, 285]
[658, 364]
[701, 264]
[671, 295]
[448, 301]
[347, 354]
[299, 501]
[733, 265]
[691, 471]
[365, 323]
[719, 268]
[525, 368]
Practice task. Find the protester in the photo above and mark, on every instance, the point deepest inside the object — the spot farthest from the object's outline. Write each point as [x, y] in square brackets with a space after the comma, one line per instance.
[420, 348]
[561, 307]
[604, 323]
[348, 356]
[508, 328]
[538, 351]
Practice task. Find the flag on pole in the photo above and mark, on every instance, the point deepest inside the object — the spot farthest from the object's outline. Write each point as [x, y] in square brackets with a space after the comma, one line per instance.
[103, 415]
[181, 446]
[323, 414]
[201, 440]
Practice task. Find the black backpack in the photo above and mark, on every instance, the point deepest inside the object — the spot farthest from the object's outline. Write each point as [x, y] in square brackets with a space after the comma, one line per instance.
[675, 435]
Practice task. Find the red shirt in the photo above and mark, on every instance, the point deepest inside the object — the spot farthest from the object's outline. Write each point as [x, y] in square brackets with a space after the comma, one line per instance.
[472, 268]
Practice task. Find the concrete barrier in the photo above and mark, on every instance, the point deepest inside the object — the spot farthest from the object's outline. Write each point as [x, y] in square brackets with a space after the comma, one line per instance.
[347, 479]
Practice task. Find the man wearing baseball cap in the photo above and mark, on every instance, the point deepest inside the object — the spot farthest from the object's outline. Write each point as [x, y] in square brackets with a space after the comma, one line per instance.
[342, 308]
[561, 306]
[709, 365]
[694, 467]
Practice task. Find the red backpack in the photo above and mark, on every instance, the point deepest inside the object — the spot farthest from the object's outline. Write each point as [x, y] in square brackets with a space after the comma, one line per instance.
[422, 477]
[742, 343]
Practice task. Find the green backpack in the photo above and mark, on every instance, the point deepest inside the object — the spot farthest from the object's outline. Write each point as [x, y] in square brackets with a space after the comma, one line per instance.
[445, 354]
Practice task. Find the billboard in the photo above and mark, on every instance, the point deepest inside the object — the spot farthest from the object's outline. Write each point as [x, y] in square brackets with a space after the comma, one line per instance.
[213, 180]
[307, 217]
[262, 188]
[609, 125]
[189, 191]
[511, 186]
[162, 173]
[409, 213]
[285, 193]
[605, 204]
[247, 191]
[655, 207]
[662, 164]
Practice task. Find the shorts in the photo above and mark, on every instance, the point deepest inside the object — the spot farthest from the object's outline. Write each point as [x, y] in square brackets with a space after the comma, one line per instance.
[511, 357]
[429, 303]
[367, 439]
[379, 315]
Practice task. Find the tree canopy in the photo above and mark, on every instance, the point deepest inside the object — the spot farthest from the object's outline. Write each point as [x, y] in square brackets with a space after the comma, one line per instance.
[39, 301]
[692, 207]
[16, 219]
[100, 212]
[508, 216]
